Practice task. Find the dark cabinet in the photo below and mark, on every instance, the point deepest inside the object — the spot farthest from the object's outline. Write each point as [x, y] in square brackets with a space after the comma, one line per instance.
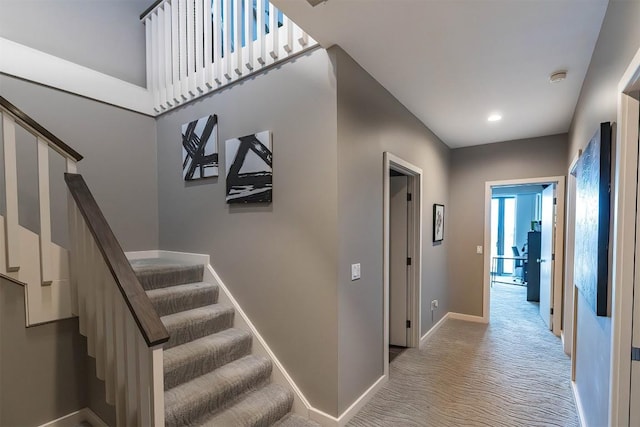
[533, 266]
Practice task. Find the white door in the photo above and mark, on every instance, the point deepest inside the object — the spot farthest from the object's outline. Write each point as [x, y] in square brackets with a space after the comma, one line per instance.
[546, 254]
[398, 261]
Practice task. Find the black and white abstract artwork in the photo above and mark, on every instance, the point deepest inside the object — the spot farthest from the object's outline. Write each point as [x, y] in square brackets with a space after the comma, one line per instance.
[249, 168]
[200, 148]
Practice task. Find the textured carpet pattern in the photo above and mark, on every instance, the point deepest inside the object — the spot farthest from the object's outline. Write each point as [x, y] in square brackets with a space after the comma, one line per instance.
[210, 376]
[512, 372]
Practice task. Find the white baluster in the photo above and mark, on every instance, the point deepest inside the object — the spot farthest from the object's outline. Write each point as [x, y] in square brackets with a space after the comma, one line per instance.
[303, 38]
[132, 370]
[11, 193]
[191, 48]
[207, 27]
[274, 47]
[261, 34]
[155, 77]
[83, 260]
[217, 41]
[168, 58]
[90, 287]
[248, 32]
[226, 23]
[45, 212]
[288, 28]
[145, 395]
[72, 216]
[149, 47]
[184, 54]
[175, 46]
[199, 46]
[121, 372]
[100, 285]
[157, 386]
[110, 338]
[237, 37]
[162, 53]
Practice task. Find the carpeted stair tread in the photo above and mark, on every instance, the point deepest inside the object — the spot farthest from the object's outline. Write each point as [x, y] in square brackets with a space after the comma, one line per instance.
[174, 299]
[192, 324]
[295, 420]
[193, 400]
[155, 273]
[261, 407]
[198, 357]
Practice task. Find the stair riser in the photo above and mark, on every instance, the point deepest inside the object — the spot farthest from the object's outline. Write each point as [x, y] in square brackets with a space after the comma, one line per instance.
[212, 400]
[207, 362]
[187, 301]
[188, 332]
[162, 279]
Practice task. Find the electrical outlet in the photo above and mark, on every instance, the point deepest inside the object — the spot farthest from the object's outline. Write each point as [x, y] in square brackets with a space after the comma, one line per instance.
[434, 304]
[355, 271]
[479, 249]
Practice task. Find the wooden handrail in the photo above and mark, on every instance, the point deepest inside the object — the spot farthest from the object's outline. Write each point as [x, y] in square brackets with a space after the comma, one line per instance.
[134, 295]
[36, 127]
[150, 9]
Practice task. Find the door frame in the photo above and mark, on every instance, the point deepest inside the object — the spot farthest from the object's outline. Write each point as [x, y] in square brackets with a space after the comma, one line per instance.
[414, 228]
[624, 242]
[558, 268]
[567, 334]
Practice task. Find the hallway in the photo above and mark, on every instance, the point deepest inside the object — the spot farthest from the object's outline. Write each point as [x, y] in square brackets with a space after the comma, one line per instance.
[511, 372]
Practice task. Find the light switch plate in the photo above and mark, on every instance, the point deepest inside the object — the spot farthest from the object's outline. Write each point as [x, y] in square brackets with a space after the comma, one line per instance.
[479, 249]
[355, 271]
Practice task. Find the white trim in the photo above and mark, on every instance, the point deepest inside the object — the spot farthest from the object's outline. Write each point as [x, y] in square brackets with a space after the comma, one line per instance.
[624, 244]
[579, 409]
[467, 317]
[433, 329]
[326, 420]
[559, 243]
[569, 255]
[33, 65]
[75, 418]
[142, 255]
[391, 161]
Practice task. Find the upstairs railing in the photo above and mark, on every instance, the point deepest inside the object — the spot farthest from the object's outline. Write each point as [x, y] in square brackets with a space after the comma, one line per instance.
[124, 333]
[196, 46]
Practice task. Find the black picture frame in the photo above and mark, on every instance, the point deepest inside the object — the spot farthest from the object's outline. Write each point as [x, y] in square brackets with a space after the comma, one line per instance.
[438, 222]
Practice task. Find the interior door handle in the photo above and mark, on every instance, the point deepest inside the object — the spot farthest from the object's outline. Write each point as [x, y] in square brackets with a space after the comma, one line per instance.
[540, 260]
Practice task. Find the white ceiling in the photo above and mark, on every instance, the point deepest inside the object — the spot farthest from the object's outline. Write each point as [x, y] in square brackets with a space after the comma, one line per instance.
[453, 62]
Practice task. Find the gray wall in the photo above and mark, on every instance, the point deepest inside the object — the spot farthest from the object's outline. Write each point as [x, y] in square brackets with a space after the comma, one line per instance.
[471, 167]
[43, 370]
[279, 260]
[618, 42]
[119, 152]
[103, 35]
[370, 122]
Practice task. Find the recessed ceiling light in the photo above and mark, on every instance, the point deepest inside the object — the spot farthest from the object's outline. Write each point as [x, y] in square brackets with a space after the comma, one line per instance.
[557, 76]
[495, 117]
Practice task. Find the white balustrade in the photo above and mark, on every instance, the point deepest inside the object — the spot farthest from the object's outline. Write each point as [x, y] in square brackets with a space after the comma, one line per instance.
[195, 46]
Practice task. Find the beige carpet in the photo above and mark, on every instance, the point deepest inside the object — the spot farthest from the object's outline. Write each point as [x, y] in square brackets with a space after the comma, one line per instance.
[511, 372]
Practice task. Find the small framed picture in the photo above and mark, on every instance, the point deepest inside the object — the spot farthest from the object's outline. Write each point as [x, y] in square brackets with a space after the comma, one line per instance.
[438, 223]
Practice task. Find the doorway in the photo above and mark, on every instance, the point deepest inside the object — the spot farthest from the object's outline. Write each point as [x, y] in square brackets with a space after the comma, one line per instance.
[402, 248]
[528, 237]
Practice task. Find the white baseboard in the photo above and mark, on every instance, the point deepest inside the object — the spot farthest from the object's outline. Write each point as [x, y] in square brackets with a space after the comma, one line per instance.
[75, 418]
[39, 67]
[326, 420]
[467, 317]
[579, 408]
[434, 328]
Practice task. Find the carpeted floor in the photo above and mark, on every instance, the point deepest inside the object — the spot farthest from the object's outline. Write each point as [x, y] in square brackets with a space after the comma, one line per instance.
[511, 372]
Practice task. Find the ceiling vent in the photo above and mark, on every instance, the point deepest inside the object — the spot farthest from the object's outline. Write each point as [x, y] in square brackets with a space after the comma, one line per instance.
[314, 3]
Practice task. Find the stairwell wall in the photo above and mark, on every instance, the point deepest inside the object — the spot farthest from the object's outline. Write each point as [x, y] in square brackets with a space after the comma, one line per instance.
[279, 260]
[370, 122]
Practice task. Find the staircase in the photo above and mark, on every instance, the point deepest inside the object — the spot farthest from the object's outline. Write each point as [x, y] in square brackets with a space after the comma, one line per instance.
[210, 376]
